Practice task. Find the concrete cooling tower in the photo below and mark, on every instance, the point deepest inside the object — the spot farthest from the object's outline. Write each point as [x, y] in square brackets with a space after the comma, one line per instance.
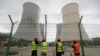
[42, 30]
[29, 25]
[59, 27]
[70, 16]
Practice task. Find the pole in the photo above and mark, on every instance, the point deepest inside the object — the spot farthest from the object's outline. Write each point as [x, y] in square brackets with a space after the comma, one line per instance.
[45, 26]
[10, 37]
[81, 39]
[0, 40]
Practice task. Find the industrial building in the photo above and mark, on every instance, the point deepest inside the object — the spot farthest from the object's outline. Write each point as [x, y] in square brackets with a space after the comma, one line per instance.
[71, 18]
[29, 25]
[42, 30]
[59, 28]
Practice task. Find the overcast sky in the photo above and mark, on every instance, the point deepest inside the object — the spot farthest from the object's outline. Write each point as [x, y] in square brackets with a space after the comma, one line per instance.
[90, 9]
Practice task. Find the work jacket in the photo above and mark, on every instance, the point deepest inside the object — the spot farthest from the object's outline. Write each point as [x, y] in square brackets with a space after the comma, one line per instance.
[44, 46]
[76, 48]
[59, 47]
[33, 46]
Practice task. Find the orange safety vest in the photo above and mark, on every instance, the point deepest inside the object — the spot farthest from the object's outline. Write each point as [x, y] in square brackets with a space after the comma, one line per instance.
[76, 48]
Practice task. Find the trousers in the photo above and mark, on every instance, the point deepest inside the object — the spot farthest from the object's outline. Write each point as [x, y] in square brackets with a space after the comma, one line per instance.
[58, 53]
[34, 53]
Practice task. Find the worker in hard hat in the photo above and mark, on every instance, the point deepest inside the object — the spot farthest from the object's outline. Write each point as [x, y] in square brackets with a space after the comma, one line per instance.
[44, 46]
[34, 46]
[59, 47]
[76, 48]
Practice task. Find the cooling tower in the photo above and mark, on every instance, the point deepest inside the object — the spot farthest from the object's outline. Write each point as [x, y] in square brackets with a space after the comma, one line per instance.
[59, 27]
[71, 17]
[42, 29]
[29, 25]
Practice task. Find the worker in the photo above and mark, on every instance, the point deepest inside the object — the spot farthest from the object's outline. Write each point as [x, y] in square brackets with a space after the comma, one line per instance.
[59, 47]
[34, 46]
[76, 48]
[44, 46]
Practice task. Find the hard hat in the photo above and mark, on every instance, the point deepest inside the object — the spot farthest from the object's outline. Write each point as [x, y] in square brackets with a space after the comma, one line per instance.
[35, 38]
[75, 40]
[58, 39]
[43, 39]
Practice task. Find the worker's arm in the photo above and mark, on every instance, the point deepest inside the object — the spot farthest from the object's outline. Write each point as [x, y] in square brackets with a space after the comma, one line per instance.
[73, 46]
[36, 42]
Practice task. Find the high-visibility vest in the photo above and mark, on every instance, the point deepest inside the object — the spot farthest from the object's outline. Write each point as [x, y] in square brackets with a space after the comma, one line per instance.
[33, 46]
[44, 46]
[76, 48]
[59, 47]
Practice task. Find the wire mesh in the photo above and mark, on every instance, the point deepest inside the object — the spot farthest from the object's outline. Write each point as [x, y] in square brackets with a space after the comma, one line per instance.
[91, 47]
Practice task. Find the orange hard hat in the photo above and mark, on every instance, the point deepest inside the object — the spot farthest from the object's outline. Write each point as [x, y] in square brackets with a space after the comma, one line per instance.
[43, 39]
[58, 39]
[35, 38]
[75, 40]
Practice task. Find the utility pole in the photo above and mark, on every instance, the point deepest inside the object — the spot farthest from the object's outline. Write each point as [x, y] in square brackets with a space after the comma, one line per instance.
[10, 36]
[81, 39]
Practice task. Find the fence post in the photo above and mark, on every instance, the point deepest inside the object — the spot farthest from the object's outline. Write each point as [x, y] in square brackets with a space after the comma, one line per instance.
[81, 39]
[10, 36]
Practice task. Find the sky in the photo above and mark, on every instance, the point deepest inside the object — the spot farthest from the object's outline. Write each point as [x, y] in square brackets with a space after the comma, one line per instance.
[89, 9]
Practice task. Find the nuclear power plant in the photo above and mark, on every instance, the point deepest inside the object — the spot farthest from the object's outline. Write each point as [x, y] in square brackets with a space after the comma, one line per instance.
[59, 28]
[71, 17]
[42, 30]
[68, 30]
[29, 25]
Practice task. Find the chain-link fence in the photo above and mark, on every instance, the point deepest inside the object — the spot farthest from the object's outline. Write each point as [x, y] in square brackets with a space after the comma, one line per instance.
[21, 47]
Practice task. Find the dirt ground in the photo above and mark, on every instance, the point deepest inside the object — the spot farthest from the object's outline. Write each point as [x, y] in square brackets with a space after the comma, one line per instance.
[26, 51]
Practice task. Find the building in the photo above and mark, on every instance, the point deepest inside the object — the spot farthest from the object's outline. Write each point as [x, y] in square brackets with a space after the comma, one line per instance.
[96, 40]
[71, 17]
[59, 27]
[4, 38]
[42, 30]
[29, 25]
